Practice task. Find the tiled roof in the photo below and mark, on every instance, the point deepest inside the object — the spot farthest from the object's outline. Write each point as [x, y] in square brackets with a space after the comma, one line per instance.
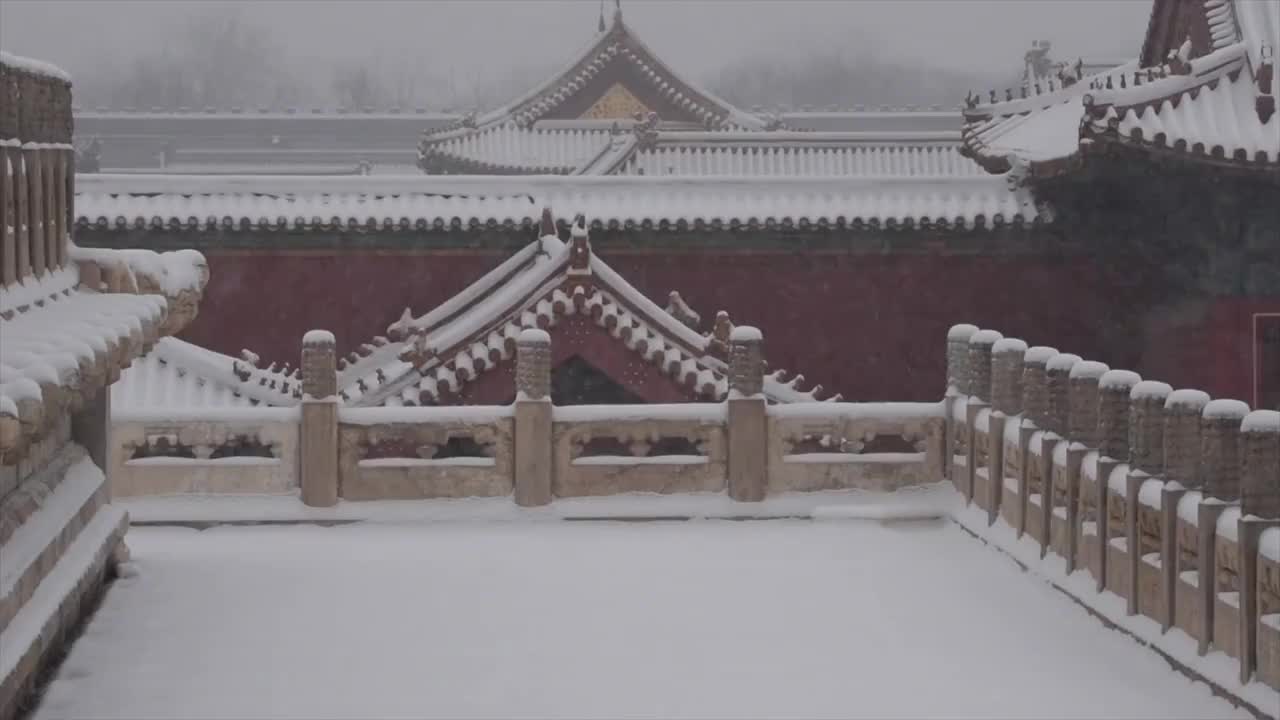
[388, 203]
[430, 358]
[1218, 108]
[178, 374]
[617, 44]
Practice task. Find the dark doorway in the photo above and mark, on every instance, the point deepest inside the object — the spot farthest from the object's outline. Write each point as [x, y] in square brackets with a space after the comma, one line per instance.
[577, 382]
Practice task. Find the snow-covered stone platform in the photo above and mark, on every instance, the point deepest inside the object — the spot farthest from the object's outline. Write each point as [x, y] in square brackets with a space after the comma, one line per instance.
[505, 615]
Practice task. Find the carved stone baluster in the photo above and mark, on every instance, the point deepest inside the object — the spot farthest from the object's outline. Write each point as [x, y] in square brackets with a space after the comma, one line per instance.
[318, 453]
[534, 462]
[748, 424]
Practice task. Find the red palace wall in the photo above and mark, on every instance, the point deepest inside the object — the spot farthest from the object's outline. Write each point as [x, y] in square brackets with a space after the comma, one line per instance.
[871, 327]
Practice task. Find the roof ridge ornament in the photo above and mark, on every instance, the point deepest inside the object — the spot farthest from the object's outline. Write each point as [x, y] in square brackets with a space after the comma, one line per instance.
[580, 247]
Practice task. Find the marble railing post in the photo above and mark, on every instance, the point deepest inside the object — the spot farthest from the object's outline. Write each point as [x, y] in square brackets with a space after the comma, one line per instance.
[1035, 384]
[534, 460]
[1082, 402]
[1115, 411]
[1260, 468]
[318, 459]
[1259, 510]
[1182, 443]
[958, 356]
[747, 416]
[1058, 371]
[1220, 440]
[1145, 454]
[978, 366]
[1145, 444]
[1006, 375]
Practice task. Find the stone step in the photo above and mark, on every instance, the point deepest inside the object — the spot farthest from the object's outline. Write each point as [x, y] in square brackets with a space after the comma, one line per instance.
[60, 601]
[49, 512]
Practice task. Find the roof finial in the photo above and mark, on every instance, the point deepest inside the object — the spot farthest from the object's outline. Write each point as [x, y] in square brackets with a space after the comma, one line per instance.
[601, 26]
[617, 10]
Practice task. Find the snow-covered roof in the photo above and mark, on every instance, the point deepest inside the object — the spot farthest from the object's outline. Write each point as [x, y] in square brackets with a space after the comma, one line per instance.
[430, 358]
[258, 203]
[593, 149]
[614, 48]
[1217, 106]
[1041, 130]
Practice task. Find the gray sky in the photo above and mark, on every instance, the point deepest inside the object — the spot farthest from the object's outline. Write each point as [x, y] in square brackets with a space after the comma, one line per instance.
[485, 38]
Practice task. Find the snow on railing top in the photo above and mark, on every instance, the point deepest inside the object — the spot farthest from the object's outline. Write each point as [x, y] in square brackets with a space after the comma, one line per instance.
[36, 67]
[1261, 421]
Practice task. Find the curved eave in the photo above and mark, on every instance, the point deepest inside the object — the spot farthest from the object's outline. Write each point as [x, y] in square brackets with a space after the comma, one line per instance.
[1112, 142]
[436, 162]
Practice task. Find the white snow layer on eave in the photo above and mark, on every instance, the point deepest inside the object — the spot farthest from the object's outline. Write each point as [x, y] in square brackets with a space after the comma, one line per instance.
[1204, 69]
[154, 383]
[736, 115]
[494, 307]
[352, 202]
[1225, 115]
[46, 345]
[590, 49]
[509, 145]
[31, 65]
[32, 288]
[639, 302]
[1045, 135]
[603, 198]
[213, 367]
[478, 288]
[1049, 99]
[607, 160]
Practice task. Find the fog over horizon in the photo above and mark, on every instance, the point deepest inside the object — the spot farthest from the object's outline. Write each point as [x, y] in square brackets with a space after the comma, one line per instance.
[479, 53]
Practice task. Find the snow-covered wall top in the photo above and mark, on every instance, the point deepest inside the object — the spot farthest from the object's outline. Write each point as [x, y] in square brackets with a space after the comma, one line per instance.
[422, 202]
[33, 66]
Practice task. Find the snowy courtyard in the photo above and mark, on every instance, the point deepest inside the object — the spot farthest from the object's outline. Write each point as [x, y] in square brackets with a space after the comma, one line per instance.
[544, 618]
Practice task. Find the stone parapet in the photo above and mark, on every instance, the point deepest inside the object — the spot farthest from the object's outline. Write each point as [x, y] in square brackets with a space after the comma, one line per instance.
[746, 361]
[1082, 401]
[1007, 356]
[958, 356]
[1220, 440]
[1260, 466]
[978, 367]
[533, 364]
[1058, 372]
[1035, 384]
[1146, 427]
[1182, 437]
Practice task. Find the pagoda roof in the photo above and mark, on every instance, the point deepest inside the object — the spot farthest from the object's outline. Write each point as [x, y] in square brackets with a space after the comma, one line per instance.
[1208, 100]
[590, 72]
[433, 358]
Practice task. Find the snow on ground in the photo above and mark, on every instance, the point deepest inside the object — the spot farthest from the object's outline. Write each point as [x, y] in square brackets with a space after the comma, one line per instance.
[706, 618]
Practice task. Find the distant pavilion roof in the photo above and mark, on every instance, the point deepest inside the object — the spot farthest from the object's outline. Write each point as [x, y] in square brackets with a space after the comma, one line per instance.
[1203, 91]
